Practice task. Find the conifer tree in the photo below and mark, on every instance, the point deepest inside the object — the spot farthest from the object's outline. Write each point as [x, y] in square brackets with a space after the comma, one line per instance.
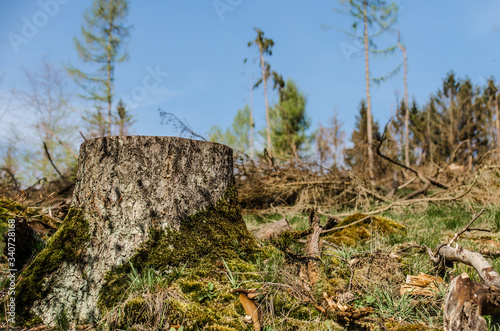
[490, 97]
[289, 123]
[381, 15]
[330, 141]
[238, 135]
[265, 46]
[123, 119]
[102, 43]
[357, 156]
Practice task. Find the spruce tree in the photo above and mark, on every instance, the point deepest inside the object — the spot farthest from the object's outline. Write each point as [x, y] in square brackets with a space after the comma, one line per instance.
[123, 119]
[357, 157]
[238, 136]
[102, 42]
[490, 98]
[289, 123]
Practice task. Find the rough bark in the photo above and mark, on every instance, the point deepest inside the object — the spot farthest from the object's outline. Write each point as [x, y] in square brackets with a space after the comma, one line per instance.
[467, 301]
[126, 187]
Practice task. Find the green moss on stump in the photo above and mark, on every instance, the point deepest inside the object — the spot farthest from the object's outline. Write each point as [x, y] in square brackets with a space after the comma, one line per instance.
[67, 245]
[216, 232]
[353, 235]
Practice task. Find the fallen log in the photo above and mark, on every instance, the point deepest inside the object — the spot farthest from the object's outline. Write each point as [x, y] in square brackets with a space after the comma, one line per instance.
[273, 229]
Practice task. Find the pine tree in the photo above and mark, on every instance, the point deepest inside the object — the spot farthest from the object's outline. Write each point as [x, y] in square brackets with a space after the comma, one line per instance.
[357, 156]
[123, 119]
[452, 127]
[289, 123]
[238, 136]
[102, 42]
[472, 120]
[490, 98]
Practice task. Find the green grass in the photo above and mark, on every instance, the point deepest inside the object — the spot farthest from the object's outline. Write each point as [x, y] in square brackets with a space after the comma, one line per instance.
[426, 225]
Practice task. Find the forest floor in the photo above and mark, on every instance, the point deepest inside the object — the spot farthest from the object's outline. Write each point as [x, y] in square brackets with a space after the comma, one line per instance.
[372, 269]
[362, 278]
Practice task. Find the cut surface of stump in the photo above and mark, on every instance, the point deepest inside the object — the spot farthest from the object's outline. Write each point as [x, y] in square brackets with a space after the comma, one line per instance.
[147, 201]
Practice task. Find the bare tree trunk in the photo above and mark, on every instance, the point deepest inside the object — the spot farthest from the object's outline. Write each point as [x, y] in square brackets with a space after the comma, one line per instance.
[452, 122]
[251, 117]
[368, 97]
[497, 125]
[110, 78]
[407, 108]
[268, 120]
[129, 188]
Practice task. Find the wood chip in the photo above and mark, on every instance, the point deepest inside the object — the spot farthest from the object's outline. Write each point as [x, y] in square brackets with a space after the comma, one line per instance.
[423, 285]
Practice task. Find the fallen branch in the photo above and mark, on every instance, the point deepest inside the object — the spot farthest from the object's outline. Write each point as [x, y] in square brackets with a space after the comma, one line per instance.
[424, 179]
[313, 247]
[467, 228]
[473, 259]
[69, 149]
[467, 301]
[407, 183]
[14, 181]
[406, 203]
[50, 159]
[345, 226]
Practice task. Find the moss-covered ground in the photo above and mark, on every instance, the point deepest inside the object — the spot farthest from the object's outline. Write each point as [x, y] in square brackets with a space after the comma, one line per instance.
[362, 268]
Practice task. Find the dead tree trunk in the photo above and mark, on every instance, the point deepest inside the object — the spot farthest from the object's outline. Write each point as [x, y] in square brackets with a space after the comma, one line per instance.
[127, 188]
[467, 301]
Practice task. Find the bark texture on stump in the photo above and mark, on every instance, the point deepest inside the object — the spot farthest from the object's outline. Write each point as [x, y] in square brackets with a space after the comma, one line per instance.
[126, 187]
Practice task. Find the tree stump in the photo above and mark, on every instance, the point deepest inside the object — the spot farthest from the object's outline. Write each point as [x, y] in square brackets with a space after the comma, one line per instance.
[468, 301]
[155, 201]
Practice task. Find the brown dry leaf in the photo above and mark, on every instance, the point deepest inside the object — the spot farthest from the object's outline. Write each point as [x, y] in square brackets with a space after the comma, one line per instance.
[251, 310]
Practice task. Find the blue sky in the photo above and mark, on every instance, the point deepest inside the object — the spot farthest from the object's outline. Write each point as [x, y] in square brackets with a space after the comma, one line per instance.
[199, 54]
